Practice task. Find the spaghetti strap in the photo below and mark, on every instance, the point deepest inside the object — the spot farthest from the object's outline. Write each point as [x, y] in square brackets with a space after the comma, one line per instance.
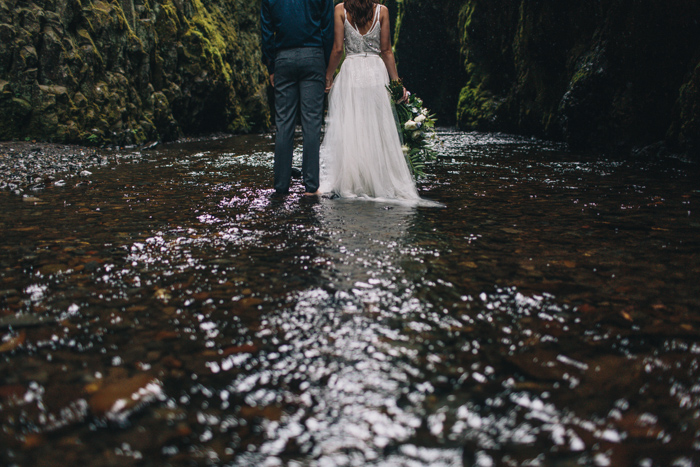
[375, 20]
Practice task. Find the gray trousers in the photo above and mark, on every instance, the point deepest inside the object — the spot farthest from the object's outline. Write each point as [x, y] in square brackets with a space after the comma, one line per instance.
[300, 81]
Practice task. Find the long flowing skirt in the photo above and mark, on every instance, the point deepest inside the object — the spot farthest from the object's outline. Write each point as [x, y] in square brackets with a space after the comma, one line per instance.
[361, 153]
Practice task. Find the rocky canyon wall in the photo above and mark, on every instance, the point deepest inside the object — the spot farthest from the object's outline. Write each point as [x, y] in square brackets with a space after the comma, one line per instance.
[610, 75]
[129, 71]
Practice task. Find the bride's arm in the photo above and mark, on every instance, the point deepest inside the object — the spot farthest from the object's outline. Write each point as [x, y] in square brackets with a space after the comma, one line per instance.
[338, 44]
[385, 44]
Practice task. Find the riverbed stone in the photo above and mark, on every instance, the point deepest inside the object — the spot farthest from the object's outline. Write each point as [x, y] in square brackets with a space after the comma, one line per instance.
[123, 395]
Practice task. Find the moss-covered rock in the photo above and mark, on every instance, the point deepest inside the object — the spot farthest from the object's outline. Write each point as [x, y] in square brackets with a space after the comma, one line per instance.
[608, 75]
[489, 65]
[129, 71]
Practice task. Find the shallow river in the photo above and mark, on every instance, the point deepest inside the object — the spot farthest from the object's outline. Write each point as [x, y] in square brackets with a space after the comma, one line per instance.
[166, 311]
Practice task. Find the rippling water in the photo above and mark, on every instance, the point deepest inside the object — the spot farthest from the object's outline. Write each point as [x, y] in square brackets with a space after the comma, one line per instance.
[168, 312]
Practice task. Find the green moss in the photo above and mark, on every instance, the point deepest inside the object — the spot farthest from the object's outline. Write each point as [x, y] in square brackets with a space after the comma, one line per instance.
[167, 22]
[139, 135]
[203, 54]
[216, 36]
[584, 71]
[400, 12]
[476, 108]
[239, 125]
[85, 35]
[466, 14]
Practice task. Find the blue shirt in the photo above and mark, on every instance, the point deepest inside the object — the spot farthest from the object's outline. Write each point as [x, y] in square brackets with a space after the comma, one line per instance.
[289, 24]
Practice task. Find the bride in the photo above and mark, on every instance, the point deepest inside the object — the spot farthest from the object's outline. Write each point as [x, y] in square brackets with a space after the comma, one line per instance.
[361, 153]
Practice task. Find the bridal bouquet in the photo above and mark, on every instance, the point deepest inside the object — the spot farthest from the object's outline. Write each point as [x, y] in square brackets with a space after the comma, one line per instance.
[416, 129]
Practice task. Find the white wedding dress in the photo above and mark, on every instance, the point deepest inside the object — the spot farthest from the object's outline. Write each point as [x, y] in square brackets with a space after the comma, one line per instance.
[361, 153]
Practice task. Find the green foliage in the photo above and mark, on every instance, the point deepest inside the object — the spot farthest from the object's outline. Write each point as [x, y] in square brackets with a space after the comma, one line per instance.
[416, 126]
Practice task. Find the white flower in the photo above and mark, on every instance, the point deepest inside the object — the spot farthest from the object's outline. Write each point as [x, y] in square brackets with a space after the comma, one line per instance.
[420, 119]
[414, 110]
[424, 112]
[417, 134]
[410, 125]
[405, 149]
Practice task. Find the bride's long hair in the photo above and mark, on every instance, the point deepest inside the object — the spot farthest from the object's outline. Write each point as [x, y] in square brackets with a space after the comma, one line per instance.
[361, 11]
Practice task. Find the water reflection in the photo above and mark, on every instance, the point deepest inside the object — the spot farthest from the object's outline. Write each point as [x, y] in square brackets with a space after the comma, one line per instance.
[357, 395]
[171, 312]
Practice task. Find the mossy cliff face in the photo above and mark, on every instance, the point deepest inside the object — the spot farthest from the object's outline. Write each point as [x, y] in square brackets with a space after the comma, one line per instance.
[129, 71]
[609, 75]
[427, 46]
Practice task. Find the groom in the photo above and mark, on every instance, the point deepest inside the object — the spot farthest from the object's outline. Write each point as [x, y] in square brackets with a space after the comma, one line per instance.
[297, 38]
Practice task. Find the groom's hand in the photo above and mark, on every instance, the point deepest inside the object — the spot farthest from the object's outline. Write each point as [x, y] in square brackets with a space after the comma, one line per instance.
[272, 80]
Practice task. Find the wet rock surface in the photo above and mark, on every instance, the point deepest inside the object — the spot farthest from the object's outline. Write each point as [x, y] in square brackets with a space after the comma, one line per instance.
[172, 312]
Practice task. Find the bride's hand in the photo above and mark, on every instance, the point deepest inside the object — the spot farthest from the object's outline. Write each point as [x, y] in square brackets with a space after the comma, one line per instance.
[406, 94]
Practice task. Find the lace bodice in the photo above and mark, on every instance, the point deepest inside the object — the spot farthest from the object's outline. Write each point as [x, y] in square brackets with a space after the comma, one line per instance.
[369, 43]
